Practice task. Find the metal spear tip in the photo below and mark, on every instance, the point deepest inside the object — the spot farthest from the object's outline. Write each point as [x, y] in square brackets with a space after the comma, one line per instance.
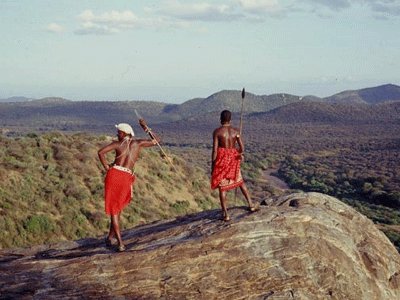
[138, 115]
[243, 93]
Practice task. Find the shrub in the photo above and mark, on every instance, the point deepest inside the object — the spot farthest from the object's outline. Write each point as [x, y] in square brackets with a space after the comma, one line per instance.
[38, 225]
[180, 207]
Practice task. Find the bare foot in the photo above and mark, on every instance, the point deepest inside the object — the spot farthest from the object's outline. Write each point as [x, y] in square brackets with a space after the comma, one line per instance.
[253, 208]
[226, 218]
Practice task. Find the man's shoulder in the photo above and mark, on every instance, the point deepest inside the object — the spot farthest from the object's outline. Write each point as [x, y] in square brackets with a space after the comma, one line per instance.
[115, 143]
[216, 130]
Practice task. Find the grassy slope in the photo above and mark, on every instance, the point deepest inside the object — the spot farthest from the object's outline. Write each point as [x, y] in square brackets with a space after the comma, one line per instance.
[51, 186]
[52, 189]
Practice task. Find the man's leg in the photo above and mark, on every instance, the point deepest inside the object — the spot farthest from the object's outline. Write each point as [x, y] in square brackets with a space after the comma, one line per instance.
[111, 233]
[115, 225]
[222, 199]
[246, 194]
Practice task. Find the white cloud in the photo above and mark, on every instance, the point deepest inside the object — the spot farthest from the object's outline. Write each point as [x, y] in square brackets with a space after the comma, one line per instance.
[332, 4]
[380, 8]
[55, 28]
[180, 14]
[259, 6]
[261, 9]
[113, 17]
[384, 8]
[109, 22]
[231, 11]
[201, 11]
[96, 29]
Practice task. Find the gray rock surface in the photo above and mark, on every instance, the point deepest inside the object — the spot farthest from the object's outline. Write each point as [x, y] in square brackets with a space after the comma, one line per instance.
[300, 246]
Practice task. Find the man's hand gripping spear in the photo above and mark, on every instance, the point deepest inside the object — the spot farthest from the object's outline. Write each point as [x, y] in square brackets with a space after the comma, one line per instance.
[148, 130]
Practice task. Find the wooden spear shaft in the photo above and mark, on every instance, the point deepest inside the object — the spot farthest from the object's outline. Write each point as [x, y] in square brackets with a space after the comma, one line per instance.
[152, 136]
[241, 126]
[241, 113]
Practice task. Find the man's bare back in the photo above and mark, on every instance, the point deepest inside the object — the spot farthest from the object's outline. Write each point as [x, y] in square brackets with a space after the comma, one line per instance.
[226, 136]
[126, 149]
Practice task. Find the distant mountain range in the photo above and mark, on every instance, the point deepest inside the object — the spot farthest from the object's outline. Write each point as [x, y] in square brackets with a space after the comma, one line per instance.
[61, 114]
[374, 95]
[16, 99]
[314, 112]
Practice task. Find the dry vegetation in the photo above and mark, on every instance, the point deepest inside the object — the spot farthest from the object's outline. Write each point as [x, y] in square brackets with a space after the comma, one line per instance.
[52, 184]
[52, 189]
[355, 161]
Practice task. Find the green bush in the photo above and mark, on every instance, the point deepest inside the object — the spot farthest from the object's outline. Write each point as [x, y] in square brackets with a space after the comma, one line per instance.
[38, 225]
[180, 207]
[206, 203]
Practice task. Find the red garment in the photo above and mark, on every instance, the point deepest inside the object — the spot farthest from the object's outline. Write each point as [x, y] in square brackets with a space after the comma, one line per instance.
[118, 190]
[226, 174]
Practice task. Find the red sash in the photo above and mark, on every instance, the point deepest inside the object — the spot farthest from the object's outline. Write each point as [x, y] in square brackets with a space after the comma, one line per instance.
[226, 174]
[118, 190]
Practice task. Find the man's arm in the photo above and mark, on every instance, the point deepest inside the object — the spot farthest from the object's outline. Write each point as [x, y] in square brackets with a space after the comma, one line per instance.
[147, 142]
[240, 143]
[102, 154]
[214, 150]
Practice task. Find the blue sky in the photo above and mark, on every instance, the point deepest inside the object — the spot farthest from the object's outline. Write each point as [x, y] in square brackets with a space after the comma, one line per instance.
[175, 50]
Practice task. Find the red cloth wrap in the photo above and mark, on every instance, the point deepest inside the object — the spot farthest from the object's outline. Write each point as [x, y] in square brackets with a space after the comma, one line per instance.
[226, 174]
[117, 190]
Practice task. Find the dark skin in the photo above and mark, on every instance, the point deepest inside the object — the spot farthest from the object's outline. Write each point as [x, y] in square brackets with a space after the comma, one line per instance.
[127, 159]
[227, 136]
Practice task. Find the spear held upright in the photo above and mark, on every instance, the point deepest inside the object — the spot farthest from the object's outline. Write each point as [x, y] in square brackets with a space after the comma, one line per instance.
[241, 112]
[241, 126]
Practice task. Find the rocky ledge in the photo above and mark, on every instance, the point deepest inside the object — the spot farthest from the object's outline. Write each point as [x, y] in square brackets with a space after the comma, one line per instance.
[298, 246]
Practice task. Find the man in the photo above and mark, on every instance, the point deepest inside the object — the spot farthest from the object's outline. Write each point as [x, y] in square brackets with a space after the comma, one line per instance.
[120, 178]
[226, 158]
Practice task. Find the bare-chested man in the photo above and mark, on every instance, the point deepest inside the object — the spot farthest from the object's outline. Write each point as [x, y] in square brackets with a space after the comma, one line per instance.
[226, 158]
[120, 178]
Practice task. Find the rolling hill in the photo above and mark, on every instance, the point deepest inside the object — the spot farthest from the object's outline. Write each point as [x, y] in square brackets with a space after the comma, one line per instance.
[374, 95]
[231, 100]
[16, 99]
[331, 113]
[99, 116]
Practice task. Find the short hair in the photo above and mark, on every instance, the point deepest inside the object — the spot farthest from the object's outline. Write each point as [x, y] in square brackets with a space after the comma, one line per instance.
[225, 116]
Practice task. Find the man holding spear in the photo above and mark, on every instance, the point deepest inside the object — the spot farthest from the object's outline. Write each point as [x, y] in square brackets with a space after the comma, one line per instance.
[226, 158]
[120, 178]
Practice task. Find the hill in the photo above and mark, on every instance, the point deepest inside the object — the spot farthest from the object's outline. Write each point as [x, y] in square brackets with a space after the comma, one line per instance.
[290, 121]
[302, 246]
[49, 114]
[231, 100]
[52, 189]
[373, 95]
[331, 113]
[16, 99]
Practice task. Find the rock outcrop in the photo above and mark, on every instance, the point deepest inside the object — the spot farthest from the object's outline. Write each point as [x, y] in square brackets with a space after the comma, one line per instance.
[299, 246]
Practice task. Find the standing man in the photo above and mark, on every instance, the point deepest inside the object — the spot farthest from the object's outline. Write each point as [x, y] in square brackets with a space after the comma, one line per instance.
[226, 158]
[120, 178]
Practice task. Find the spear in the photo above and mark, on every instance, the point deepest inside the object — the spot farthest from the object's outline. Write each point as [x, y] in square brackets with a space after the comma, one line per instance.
[241, 126]
[148, 130]
[241, 113]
